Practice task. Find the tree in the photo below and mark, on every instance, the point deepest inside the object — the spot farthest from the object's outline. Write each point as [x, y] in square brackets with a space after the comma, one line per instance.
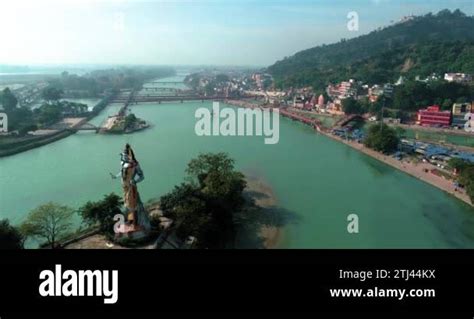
[21, 119]
[50, 221]
[466, 178]
[52, 94]
[207, 205]
[8, 100]
[10, 237]
[187, 206]
[49, 113]
[351, 106]
[130, 120]
[447, 104]
[400, 132]
[458, 164]
[465, 171]
[102, 213]
[382, 138]
[222, 78]
[215, 175]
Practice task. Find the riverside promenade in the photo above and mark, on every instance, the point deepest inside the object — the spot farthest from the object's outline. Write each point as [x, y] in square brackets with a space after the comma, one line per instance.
[421, 171]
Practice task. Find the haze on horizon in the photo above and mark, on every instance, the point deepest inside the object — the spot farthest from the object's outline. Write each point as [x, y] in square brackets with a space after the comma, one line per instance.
[180, 32]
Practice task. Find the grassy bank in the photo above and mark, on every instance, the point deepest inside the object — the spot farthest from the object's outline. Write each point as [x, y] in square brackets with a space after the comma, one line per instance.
[441, 137]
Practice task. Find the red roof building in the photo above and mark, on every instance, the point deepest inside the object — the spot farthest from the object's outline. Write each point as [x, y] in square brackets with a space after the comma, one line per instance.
[433, 116]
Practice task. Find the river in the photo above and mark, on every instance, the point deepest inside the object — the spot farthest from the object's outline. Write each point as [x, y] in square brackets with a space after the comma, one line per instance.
[317, 181]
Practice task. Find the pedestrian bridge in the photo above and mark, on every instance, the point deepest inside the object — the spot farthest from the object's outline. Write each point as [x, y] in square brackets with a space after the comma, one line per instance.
[167, 82]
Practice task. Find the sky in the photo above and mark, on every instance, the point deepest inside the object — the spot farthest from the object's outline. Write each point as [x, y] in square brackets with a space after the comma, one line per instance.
[199, 32]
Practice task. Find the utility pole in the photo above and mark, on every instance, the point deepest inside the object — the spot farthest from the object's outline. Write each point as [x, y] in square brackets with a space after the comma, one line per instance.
[384, 96]
[381, 115]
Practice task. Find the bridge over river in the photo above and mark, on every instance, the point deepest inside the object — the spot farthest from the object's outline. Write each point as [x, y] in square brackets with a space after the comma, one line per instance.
[166, 82]
[167, 98]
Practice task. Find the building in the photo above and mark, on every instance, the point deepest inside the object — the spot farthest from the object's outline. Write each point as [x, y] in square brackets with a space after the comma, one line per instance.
[400, 81]
[332, 90]
[375, 92]
[459, 114]
[433, 116]
[299, 101]
[469, 122]
[347, 89]
[342, 90]
[308, 106]
[391, 120]
[388, 89]
[461, 108]
[321, 102]
[457, 77]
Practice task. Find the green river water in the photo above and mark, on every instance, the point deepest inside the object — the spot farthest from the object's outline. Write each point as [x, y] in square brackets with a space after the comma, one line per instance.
[317, 180]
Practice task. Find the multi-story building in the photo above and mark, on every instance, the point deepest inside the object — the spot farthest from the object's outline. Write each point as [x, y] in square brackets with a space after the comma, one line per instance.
[342, 90]
[459, 114]
[376, 91]
[461, 108]
[433, 116]
[347, 89]
[332, 90]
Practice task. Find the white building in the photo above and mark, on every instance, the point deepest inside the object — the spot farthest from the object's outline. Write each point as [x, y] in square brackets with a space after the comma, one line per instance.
[469, 126]
[457, 77]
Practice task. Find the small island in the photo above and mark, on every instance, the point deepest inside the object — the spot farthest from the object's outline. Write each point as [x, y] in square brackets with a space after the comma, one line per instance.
[123, 124]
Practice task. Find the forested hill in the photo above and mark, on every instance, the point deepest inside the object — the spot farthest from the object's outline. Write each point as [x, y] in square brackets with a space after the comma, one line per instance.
[419, 45]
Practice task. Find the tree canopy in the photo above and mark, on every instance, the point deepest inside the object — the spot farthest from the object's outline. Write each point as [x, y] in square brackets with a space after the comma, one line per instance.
[351, 106]
[207, 204]
[19, 118]
[50, 222]
[465, 172]
[8, 100]
[424, 45]
[102, 213]
[414, 95]
[382, 138]
[10, 237]
[52, 94]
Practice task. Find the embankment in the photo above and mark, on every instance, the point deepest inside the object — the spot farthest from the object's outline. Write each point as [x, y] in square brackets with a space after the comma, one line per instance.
[8, 149]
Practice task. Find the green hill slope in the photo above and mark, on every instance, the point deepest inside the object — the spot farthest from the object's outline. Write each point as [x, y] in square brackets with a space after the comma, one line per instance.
[432, 43]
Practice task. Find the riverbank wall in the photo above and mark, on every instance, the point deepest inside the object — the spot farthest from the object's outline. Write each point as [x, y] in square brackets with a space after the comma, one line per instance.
[15, 148]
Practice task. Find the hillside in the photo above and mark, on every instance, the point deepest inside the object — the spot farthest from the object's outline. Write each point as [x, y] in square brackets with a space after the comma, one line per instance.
[432, 43]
